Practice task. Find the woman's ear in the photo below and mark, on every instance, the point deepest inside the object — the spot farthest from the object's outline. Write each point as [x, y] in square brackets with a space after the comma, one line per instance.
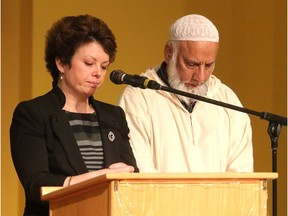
[168, 52]
[59, 65]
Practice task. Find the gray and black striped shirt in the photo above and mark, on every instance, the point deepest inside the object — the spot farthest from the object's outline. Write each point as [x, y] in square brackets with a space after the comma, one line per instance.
[87, 134]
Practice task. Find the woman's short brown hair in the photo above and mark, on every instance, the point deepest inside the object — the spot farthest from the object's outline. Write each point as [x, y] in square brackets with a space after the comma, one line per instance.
[71, 32]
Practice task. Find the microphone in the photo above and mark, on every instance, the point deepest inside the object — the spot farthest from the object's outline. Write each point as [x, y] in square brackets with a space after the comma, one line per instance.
[119, 77]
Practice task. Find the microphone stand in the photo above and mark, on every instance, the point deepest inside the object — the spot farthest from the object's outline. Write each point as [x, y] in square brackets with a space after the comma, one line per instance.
[274, 127]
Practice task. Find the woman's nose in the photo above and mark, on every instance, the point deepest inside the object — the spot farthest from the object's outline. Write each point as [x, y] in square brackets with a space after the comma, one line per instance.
[97, 71]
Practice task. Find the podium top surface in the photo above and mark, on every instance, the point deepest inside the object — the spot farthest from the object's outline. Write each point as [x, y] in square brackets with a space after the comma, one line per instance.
[187, 176]
[48, 192]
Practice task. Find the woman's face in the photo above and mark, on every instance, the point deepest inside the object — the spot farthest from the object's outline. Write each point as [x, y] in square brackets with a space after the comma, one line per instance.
[86, 73]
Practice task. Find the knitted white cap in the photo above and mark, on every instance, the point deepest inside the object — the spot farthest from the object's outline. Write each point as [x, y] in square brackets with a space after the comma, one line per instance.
[194, 27]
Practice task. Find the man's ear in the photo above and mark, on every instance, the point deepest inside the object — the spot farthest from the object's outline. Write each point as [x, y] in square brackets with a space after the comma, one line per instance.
[168, 52]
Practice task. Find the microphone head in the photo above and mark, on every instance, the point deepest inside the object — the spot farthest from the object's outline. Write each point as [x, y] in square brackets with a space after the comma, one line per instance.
[116, 76]
[119, 77]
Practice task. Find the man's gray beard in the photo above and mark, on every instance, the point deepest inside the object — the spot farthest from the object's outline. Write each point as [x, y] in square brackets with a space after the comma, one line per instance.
[176, 83]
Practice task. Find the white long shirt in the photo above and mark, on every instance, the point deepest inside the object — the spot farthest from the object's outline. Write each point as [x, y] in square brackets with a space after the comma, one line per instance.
[165, 137]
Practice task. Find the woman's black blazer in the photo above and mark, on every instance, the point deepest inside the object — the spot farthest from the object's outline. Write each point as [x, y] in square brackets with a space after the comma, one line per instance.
[45, 152]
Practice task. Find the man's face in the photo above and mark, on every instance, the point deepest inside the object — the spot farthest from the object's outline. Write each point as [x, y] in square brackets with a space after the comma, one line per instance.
[191, 65]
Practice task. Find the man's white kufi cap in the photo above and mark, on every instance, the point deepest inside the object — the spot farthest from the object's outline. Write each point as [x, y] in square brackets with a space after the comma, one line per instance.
[194, 27]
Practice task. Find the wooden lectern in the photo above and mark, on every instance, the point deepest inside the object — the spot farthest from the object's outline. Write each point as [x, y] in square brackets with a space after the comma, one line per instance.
[175, 194]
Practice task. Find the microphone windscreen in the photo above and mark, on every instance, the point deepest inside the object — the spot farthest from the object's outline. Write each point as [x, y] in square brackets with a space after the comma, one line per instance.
[116, 76]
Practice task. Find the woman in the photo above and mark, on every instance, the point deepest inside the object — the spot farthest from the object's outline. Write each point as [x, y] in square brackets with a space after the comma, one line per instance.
[65, 136]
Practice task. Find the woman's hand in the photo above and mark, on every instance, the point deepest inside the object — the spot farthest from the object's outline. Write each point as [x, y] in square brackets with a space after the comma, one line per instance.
[121, 167]
[113, 168]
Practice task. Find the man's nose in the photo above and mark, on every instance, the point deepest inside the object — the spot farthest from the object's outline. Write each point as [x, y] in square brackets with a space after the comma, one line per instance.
[200, 73]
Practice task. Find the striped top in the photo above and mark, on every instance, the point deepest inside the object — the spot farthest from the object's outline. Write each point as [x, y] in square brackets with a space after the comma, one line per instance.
[87, 134]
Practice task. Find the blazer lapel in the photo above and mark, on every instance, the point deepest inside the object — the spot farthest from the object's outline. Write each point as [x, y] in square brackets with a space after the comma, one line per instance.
[110, 146]
[109, 129]
[63, 131]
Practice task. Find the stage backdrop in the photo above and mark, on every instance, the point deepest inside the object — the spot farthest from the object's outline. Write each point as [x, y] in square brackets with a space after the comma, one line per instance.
[252, 61]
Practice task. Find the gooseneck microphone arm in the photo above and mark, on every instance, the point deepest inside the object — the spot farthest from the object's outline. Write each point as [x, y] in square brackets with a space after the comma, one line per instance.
[263, 115]
[275, 121]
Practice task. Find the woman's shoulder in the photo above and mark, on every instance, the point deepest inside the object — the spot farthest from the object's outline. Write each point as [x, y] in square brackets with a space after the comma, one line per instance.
[42, 102]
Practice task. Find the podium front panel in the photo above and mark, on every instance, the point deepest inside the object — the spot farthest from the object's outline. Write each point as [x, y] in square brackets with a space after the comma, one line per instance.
[189, 198]
[140, 194]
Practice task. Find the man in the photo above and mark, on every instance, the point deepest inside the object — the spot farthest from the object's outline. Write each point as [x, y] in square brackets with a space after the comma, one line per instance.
[173, 133]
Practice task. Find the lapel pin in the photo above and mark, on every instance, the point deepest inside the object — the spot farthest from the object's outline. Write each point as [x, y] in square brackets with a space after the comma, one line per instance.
[111, 136]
